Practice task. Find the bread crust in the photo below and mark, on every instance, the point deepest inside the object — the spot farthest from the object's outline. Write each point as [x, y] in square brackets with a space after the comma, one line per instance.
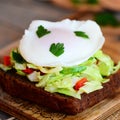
[21, 87]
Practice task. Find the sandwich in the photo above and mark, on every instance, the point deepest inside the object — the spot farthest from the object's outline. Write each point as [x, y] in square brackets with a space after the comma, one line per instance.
[60, 65]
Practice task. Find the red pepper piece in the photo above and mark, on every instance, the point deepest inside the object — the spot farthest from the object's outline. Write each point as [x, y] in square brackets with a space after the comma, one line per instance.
[28, 70]
[80, 83]
[6, 60]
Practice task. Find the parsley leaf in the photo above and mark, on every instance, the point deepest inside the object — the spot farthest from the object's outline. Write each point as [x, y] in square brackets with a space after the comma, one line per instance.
[17, 57]
[57, 49]
[81, 34]
[41, 31]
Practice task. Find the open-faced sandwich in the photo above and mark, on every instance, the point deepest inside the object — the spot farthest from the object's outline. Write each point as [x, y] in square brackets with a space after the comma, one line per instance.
[60, 65]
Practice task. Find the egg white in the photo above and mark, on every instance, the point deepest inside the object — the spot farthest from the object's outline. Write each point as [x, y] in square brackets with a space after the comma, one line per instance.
[35, 50]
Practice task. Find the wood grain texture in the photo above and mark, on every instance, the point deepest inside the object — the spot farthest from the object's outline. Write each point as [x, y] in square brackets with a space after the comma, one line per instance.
[25, 110]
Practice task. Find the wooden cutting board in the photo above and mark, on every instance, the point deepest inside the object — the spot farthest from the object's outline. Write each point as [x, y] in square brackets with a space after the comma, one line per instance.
[25, 110]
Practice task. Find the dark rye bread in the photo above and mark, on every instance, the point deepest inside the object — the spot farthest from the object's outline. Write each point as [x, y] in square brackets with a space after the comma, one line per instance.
[19, 86]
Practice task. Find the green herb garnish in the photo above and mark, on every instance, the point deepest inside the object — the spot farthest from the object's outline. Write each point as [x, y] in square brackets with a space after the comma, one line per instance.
[57, 49]
[75, 1]
[106, 18]
[81, 34]
[41, 31]
[17, 57]
[92, 1]
[84, 1]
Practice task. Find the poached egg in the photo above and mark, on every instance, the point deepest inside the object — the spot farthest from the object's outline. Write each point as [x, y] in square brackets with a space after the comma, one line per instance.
[77, 49]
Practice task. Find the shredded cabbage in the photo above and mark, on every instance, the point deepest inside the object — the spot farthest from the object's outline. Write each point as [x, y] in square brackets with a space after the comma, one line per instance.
[105, 63]
[63, 79]
[5, 68]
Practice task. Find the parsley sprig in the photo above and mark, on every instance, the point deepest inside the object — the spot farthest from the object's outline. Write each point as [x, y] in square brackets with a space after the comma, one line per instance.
[81, 34]
[41, 31]
[57, 49]
[17, 57]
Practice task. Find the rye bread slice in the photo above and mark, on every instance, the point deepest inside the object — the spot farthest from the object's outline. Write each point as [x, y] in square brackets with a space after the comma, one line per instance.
[21, 87]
